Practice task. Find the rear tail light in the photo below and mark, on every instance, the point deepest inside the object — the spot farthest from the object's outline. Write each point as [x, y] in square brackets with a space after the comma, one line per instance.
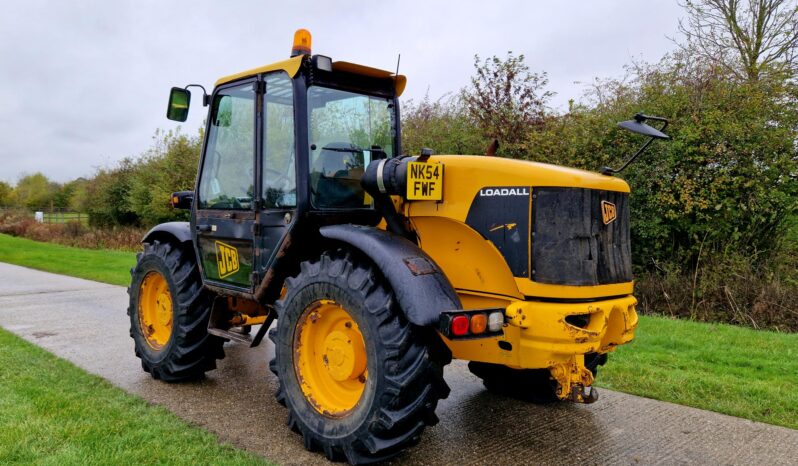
[495, 321]
[460, 325]
[480, 323]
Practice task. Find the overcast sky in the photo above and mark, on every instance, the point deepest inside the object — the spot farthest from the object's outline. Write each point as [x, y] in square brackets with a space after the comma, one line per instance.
[84, 84]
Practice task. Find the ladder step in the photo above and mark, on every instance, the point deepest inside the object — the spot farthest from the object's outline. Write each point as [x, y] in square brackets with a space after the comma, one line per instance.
[234, 336]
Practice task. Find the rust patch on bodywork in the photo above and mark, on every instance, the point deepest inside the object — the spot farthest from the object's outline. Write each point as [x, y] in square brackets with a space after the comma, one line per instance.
[419, 266]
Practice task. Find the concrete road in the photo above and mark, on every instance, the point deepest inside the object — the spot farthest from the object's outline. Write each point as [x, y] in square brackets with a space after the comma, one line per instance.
[85, 322]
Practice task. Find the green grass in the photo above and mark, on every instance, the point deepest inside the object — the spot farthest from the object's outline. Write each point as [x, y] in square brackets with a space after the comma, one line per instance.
[732, 370]
[53, 413]
[103, 266]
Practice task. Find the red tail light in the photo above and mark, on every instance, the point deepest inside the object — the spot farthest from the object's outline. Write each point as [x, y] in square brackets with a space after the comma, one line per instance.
[460, 325]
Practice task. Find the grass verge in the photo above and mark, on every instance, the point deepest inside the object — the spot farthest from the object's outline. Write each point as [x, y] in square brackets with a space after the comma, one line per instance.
[731, 370]
[52, 412]
[100, 265]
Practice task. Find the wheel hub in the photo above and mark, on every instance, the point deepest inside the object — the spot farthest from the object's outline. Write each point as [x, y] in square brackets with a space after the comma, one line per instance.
[341, 358]
[164, 307]
[330, 358]
[155, 310]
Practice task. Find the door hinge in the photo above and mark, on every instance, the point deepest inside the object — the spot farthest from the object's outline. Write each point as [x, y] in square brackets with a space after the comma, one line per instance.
[256, 229]
[254, 279]
[260, 87]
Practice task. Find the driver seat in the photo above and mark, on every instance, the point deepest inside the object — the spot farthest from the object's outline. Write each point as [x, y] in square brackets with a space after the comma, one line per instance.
[335, 177]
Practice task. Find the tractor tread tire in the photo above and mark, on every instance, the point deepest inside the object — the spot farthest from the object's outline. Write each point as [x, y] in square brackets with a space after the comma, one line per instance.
[191, 350]
[404, 398]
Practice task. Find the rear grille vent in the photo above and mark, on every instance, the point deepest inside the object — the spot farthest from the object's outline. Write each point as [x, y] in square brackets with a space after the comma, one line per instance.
[580, 237]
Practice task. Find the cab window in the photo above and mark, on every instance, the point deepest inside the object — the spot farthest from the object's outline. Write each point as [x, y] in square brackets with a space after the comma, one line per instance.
[346, 131]
[227, 180]
[279, 170]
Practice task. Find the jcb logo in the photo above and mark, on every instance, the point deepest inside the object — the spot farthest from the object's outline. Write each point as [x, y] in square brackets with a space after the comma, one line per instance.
[226, 259]
[608, 212]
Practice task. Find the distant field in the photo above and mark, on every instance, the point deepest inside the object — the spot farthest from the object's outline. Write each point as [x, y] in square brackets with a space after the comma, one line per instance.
[732, 370]
[100, 265]
[66, 217]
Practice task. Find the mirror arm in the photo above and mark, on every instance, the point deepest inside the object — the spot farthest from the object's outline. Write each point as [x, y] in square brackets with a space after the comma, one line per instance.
[640, 118]
[205, 97]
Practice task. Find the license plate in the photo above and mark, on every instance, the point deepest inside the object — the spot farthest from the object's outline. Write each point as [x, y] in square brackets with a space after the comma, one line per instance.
[424, 181]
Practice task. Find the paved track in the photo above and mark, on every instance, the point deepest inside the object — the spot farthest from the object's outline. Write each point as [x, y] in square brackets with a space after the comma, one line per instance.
[85, 322]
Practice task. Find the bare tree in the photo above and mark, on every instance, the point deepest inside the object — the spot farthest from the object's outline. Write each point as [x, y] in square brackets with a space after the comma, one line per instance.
[749, 37]
[506, 99]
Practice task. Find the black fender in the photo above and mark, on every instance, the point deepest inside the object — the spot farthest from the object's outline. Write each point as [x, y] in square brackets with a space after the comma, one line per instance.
[170, 231]
[419, 284]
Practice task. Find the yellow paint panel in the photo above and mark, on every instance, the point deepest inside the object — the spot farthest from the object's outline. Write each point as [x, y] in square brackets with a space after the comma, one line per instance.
[400, 81]
[347, 67]
[539, 337]
[543, 290]
[468, 260]
[477, 300]
[465, 175]
[290, 66]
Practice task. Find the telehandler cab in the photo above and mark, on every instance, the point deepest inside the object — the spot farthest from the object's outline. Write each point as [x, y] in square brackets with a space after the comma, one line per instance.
[379, 268]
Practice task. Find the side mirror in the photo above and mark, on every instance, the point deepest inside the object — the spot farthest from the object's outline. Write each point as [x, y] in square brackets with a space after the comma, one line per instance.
[637, 126]
[182, 200]
[179, 100]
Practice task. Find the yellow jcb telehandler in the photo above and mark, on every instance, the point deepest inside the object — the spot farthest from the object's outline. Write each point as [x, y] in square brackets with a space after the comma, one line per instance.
[377, 268]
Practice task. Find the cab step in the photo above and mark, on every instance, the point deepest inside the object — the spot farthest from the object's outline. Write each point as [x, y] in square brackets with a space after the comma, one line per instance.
[233, 336]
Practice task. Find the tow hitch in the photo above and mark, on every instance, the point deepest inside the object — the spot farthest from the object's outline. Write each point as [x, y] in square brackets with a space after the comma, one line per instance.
[574, 381]
[582, 394]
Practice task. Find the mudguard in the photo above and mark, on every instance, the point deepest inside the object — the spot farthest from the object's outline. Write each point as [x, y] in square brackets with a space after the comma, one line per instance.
[169, 231]
[420, 286]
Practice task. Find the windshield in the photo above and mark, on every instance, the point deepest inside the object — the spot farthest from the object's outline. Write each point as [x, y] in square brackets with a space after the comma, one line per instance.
[346, 131]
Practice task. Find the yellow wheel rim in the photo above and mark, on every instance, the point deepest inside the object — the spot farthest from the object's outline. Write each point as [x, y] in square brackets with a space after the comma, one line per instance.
[330, 358]
[155, 310]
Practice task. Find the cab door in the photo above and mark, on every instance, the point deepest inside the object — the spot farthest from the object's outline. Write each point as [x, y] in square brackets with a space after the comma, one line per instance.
[278, 168]
[225, 200]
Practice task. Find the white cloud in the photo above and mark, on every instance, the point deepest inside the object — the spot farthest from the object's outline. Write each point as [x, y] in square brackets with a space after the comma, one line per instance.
[84, 84]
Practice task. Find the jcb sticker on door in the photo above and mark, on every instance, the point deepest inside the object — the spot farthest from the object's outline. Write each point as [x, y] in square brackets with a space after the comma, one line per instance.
[424, 181]
[226, 259]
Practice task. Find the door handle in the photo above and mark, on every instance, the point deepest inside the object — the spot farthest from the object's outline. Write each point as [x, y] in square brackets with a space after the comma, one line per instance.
[203, 227]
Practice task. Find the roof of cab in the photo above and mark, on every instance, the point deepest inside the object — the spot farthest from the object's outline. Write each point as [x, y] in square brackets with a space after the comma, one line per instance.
[291, 66]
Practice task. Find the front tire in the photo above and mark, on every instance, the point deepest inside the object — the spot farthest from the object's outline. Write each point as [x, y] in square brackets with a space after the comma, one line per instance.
[359, 381]
[169, 312]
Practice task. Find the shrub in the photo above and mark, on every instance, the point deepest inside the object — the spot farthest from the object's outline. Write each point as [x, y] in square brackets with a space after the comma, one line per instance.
[441, 125]
[730, 289]
[72, 233]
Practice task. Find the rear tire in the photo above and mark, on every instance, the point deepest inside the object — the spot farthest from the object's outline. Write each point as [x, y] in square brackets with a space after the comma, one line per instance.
[532, 385]
[403, 378]
[187, 351]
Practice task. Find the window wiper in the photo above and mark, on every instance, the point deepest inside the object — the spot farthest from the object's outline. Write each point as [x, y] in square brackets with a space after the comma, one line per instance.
[343, 149]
